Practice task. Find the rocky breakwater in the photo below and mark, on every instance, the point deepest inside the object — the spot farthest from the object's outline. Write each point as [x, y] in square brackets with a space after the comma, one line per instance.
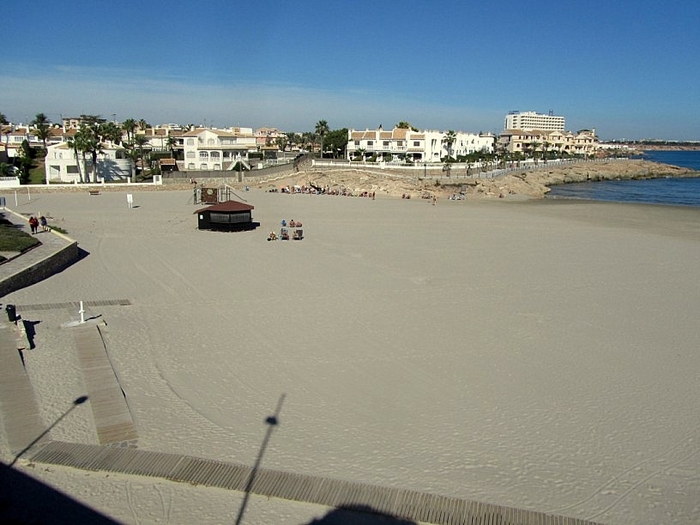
[536, 182]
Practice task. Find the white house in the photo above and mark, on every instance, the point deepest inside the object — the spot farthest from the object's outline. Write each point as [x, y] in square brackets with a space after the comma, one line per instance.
[214, 149]
[62, 166]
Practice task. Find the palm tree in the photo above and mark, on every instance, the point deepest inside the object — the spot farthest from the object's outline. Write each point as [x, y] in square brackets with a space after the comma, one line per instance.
[140, 141]
[292, 139]
[77, 144]
[448, 140]
[111, 132]
[129, 126]
[322, 130]
[90, 127]
[43, 127]
[535, 146]
[545, 147]
[170, 143]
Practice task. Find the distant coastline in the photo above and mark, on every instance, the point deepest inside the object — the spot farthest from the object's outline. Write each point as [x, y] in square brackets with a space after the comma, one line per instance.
[535, 183]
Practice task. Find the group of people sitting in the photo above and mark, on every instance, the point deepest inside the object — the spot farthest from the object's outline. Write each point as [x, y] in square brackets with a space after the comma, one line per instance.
[284, 231]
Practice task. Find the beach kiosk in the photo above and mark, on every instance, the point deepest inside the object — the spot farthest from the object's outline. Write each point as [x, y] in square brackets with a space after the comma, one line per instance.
[226, 216]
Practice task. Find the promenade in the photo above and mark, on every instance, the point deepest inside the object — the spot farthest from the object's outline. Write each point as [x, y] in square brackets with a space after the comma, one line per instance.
[51, 243]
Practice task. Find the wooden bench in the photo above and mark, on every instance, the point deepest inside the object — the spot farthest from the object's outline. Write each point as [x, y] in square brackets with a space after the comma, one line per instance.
[94, 192]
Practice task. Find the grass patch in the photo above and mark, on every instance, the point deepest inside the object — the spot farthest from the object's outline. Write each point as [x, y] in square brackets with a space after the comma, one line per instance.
[58, 229]
[12, 239]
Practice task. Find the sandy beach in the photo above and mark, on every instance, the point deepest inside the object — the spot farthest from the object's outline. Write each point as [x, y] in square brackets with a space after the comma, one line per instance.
[534, 354]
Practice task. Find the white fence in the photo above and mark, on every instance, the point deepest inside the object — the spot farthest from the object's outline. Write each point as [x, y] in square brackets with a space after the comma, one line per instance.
[9, 182]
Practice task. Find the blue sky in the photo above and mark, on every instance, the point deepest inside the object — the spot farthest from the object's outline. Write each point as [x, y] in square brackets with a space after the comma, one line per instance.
[628, 68]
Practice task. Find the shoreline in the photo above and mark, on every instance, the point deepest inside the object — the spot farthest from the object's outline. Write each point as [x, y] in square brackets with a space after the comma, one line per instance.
[523, 184]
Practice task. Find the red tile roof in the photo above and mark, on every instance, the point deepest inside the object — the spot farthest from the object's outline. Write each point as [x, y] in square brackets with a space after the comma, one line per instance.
[228, 206]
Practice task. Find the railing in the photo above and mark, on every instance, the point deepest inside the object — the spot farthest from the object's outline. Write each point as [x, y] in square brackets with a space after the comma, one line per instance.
[433, 170]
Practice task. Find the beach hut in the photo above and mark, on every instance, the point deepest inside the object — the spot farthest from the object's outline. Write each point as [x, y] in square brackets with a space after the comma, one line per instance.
[227, 216]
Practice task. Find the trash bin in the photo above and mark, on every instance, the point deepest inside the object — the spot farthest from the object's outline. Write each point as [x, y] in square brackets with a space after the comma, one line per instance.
[11, 312]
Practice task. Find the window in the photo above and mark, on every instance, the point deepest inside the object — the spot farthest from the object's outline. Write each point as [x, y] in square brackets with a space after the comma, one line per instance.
[203, 154]
[215, 155]
[203, 166]
[357, 143]
[416, 144]
[370, 143]
[190, 142]
[190, 154]
[386, 143]
[191, 166]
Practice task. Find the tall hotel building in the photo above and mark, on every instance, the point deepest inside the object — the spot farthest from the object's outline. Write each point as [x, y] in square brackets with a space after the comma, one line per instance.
[529, 120]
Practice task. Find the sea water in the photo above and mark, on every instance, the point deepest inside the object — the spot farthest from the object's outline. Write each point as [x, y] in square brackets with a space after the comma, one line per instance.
[669, 191]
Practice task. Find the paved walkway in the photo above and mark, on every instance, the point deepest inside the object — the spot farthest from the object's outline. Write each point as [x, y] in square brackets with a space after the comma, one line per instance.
[50, 244]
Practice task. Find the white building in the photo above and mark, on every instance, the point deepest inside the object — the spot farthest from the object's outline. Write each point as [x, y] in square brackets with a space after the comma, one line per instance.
[529, 120]
[401, 145]
[214, 149]
[62, 166]
[527, 143]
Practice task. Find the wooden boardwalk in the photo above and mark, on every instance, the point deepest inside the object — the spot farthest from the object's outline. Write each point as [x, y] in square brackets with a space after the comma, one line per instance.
[109, 408]
[20, 413]
[405, 504]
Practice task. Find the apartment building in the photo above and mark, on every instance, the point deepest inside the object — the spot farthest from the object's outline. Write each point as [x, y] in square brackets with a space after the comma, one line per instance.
[401, 145]
[581, 143]
[215, 149]
[529, 120]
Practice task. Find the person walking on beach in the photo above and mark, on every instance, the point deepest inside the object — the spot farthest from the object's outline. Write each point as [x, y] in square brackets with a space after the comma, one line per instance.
[33, 224]
[43, 223]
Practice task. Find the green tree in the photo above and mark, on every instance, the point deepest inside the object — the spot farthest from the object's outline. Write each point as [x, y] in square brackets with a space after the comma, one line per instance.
[337, 142]
[42, 125]
[7, 170]
[406, 125]
[111, 132]
[307, 140]
[3, 119]
[322, 130]
[91, 129]
[281, 142]
[26, 159]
